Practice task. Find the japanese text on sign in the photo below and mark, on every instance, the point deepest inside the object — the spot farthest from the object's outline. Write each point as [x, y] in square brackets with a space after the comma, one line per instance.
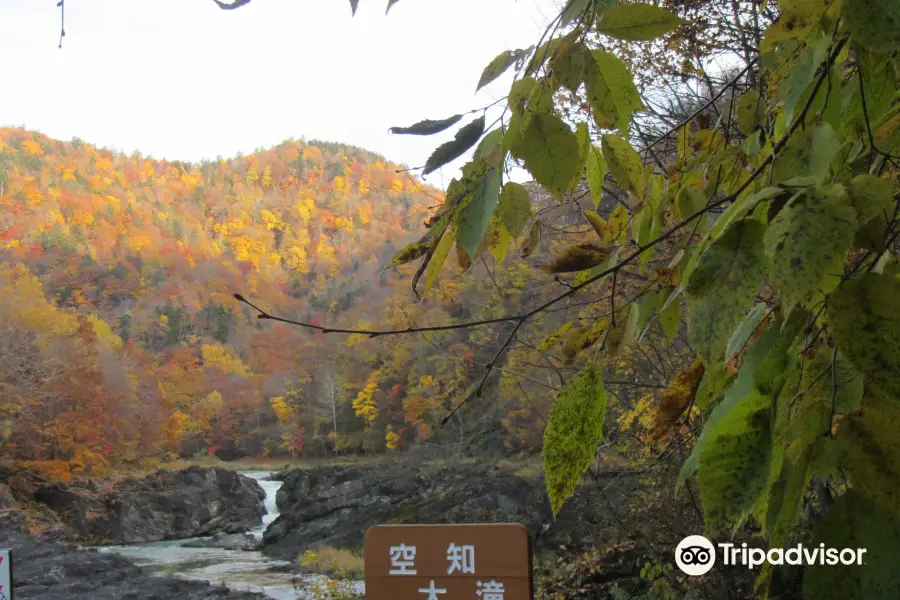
[448, 562]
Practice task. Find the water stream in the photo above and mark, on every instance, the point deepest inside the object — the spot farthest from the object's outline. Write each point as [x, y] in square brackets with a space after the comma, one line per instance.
[238, 569]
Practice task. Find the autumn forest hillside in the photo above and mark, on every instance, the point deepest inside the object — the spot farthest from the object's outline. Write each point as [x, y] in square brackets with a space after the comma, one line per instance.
[121, 340]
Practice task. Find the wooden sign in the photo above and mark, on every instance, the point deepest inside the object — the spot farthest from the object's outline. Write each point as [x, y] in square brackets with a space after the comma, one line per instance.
[448, 562]
[6, 592]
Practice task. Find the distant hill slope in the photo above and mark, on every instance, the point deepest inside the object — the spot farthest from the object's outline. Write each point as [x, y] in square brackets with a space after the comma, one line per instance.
[296, 220]
[136, 263]
[121, 340]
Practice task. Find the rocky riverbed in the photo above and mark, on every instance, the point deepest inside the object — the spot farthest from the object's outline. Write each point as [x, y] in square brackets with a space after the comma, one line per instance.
[51, 570]
[335, 505]
[162, 506]
[39, 520]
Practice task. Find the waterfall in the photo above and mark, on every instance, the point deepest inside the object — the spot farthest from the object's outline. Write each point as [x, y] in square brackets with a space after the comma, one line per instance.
[271, 489]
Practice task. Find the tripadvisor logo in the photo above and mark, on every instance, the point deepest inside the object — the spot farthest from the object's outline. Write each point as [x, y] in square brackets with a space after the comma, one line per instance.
[696, 555]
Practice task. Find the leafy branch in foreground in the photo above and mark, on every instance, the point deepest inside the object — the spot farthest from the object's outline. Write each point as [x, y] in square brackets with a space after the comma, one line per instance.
[773, 229]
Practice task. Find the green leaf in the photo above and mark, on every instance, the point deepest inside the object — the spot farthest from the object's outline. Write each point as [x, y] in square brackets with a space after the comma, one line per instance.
[868, 447]
[625, 164]
[623, 333]
[596, 172]
[765, 352]
[427, 127]
[684, 137]
[871, 197]
[800, 77]
[550, 152]
[465, 139]
[637, 22]
[855, 522]
[865, 318]
[489, 148]
[647, 303]
[828, 383]
[712, 386]
[519, 94]
[533, 240]
[741, 206]
[873, 23]
[722, 286]
[514, 207]
[797, 20]
[474, 218]
[807, 243]
[789, 478]
[689, 200]
[498, 66]
[390, 4]
[437, 260]
[670, 319]
[583, 138]
[574, 429]
[611, 91]
[748, 325]
[734, 461]
[751, 111]
[807, 153]
[631, 324]
[567, 67]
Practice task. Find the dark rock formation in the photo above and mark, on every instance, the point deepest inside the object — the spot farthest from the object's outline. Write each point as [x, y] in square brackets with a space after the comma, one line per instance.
[226, 541]
[334, 506]
[165, 505]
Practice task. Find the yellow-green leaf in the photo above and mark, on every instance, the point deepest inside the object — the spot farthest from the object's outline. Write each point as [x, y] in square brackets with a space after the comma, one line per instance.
[514, 207]
[625, 164]
[550, 152]
[807, 244]
[437, 260]
[751, 111]
[533, 240]
[596, 172]
[601, 227]
[722, 287]
[611, 91]
[474, 218]
[498, 66]
[638, 21]
[574, 429]
[864, 315]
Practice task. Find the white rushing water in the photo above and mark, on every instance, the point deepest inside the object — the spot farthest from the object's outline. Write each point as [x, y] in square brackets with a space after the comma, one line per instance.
[271, 488]
[238, 569]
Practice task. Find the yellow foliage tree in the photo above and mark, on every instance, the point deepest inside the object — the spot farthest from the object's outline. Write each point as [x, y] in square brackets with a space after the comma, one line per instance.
[364, 403]
[391, 439]
[215, 355]
[282, 411]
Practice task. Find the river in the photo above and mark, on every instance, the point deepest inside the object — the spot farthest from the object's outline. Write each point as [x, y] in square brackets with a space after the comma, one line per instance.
[238, 569]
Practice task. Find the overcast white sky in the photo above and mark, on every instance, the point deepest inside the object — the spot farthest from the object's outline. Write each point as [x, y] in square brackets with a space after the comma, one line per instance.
[181, 79]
